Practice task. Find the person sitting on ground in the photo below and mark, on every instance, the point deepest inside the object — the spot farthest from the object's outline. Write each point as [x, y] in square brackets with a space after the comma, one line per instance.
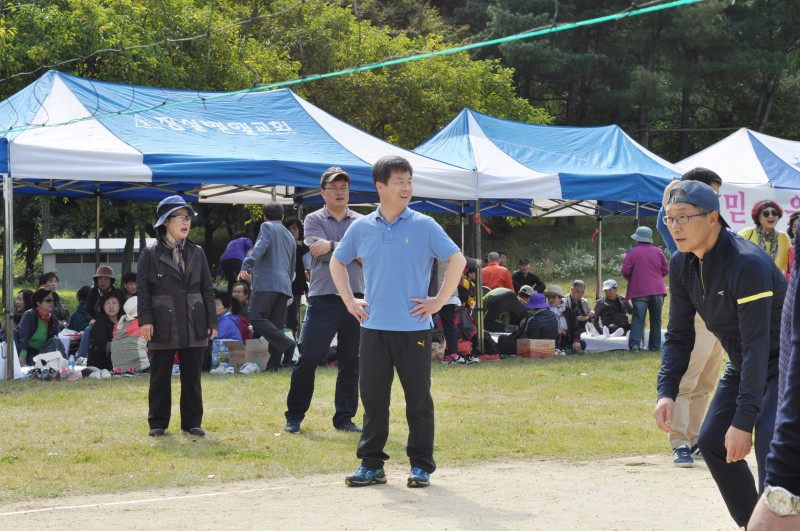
[102, 332]
[612, 310]
[228, 322]
[129, 285]
[103, 283]
[77, 320]
[38, 329]
[467, 289]
[505, 309]
[128, 347]
[241, 292]
[524, 277]
[541, 323]
[22, 304]
[569, 334]
[496, 276]
[49, 281]
[447, 313]
[228, 326]
[502, 259]
[242, 324]
[766, 214]
[578, 305]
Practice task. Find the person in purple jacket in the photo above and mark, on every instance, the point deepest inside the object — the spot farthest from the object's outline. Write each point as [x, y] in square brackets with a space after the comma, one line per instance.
[230, 263]
[645, 267]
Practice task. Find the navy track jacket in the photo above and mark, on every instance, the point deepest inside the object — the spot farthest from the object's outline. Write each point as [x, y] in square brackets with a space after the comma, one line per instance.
[738, 291]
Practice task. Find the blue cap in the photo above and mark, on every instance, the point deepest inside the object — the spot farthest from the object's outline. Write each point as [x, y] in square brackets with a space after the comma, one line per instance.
[698, 194]
[169, 205]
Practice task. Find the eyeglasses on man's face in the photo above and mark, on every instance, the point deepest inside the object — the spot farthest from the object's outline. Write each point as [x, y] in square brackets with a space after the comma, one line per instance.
[50, 299]
[680, 220]
[337, 189]
[769, 213]
[183, 218]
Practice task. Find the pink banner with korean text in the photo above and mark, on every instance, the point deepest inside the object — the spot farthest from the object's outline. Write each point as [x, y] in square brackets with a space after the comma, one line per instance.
[736, 204]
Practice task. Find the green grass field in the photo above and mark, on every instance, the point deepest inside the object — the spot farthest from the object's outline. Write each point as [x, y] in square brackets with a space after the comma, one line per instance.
[90, 436]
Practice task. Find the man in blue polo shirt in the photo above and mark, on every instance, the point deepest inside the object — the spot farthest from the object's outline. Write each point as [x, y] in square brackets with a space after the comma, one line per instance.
[397, 247]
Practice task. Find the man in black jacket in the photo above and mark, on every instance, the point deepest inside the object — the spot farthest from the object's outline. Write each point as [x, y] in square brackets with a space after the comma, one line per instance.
[738, 291]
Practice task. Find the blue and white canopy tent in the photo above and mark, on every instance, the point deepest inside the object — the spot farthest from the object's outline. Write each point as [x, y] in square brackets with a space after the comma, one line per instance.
[753, 166]
[536, 170]
[519, 166]
[69, 136]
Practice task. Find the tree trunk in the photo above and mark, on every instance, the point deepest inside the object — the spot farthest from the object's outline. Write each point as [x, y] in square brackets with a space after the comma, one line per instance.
[130, 235]
[46, 227]
[768, 91]
[683, 135]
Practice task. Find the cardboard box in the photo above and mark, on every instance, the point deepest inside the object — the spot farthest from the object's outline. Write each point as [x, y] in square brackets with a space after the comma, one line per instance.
[536, 348]
[254, 351]
[237, 355]
[257, 352]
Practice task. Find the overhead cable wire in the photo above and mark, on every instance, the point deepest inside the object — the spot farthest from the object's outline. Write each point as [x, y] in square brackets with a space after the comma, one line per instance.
[392, 62]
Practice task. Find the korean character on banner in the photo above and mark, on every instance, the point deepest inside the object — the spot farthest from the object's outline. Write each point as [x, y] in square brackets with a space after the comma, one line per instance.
[795, 204]
[281, 127]
[241, 126]
[216, 125]
[169, 122]
[144, 123]
[192, 125]
[261, 127]
[734, 204]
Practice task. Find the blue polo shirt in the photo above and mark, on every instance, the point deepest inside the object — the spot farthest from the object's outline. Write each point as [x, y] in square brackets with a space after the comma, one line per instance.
[397, 259]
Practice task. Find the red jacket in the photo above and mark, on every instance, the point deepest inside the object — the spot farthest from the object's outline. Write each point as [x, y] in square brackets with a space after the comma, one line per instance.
[496, 276]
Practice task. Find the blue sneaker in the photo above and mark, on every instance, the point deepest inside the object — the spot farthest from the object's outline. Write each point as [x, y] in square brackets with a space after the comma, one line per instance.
[682, 457]
[418, 478]
[365, 476]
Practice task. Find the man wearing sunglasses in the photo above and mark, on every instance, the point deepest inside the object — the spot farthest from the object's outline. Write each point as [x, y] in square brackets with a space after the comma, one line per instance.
[738, 292]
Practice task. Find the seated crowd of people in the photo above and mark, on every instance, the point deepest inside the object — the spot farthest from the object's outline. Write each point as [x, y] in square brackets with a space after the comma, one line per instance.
[521, 305]
[105, 334]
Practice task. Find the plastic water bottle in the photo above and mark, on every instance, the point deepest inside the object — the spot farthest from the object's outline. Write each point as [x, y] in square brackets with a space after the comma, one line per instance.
[215, 344]
[71, 362]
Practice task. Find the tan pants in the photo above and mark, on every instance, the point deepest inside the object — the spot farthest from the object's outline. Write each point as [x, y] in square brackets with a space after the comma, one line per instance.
[696, 385]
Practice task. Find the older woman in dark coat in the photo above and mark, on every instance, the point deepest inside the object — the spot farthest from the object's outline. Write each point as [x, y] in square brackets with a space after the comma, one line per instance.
[176, 314]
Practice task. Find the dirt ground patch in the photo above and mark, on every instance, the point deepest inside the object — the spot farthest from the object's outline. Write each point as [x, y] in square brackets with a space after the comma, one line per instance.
[631, 493]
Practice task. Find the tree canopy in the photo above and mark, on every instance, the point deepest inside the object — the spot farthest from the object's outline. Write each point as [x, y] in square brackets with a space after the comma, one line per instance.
[677, 80]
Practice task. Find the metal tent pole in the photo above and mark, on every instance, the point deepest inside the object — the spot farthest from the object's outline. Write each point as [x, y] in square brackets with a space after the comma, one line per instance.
[96, 228]
[478, 312]
[599, 263]
[8, 272]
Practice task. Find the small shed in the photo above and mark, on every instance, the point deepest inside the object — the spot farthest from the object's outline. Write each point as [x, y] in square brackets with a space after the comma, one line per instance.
[73, 258]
